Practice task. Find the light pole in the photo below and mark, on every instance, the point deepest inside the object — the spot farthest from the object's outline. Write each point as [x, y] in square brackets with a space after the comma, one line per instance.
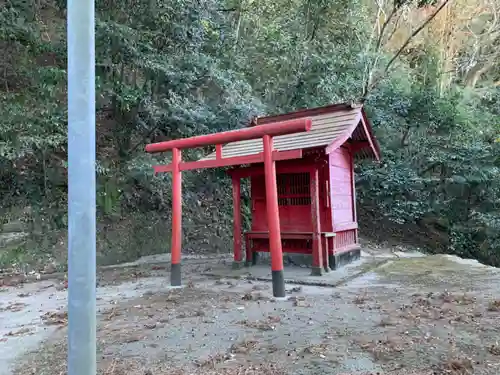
[81, 188]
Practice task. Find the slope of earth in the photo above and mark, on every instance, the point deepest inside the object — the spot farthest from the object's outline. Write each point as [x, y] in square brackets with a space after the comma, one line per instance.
[420, 315]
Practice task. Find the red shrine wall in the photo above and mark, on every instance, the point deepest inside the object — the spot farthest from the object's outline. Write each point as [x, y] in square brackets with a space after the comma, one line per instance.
[336, 199]
[341, 183]
[343, 198]
[294, 201]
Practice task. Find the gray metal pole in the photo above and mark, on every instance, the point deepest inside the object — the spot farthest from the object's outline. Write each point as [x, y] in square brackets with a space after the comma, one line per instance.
[81, 189]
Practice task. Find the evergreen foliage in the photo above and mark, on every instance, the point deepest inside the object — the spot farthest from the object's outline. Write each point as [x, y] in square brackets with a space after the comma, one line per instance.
[175, 68]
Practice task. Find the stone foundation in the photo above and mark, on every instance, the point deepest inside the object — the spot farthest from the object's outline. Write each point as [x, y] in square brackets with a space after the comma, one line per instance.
[305, 260]
[343, 258]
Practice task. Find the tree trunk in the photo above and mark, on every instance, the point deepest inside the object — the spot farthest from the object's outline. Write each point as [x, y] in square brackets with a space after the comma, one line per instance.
[477, 71]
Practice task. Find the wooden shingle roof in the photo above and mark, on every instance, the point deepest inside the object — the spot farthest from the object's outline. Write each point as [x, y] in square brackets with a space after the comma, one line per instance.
[331, 127]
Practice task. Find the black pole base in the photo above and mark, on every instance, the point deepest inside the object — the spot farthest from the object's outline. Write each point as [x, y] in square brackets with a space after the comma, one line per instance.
[175, 275]
[278, 284]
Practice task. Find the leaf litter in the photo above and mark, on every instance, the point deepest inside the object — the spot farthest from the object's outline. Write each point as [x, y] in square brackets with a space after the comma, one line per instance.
[403, 333]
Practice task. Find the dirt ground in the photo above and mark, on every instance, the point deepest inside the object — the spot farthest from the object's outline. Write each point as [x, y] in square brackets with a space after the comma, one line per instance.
[405, 315]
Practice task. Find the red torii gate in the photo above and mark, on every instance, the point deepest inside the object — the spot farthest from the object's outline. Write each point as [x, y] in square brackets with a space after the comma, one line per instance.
[268, 157]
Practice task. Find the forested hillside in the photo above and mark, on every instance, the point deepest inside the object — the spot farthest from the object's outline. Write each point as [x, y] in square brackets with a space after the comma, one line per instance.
[427, 71]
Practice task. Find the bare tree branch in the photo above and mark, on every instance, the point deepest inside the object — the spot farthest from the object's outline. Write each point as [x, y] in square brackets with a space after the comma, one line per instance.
[414, 34]
[401, 49]
[384, 26]
[371, 67]
[395, 28]
[366, 71]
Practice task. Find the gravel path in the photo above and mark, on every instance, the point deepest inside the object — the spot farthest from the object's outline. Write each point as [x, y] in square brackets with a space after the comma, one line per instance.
[429, 315]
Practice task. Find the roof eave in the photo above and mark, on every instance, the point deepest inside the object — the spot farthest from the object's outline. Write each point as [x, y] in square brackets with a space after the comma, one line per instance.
[367, 129]
[307, 112]
[369, 135]
[340, 140]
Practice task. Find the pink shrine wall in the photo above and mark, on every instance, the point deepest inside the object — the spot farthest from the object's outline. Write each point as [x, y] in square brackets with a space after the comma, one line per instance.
[343, 199]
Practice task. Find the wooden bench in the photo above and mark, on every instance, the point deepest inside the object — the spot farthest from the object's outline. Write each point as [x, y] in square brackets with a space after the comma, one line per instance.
[251, 252]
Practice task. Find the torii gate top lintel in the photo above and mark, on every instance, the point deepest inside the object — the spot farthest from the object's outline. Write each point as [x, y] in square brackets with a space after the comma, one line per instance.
[219, 139]
[273, 129]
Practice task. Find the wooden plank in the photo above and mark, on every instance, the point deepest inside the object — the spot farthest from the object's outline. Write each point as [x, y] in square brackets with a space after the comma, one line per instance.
[313, 112]
[298, 166]
[237, 219]
[264, 236]
[226, 162]
[332, 130]
[317, 262]
[285, 250]
[343, 227]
